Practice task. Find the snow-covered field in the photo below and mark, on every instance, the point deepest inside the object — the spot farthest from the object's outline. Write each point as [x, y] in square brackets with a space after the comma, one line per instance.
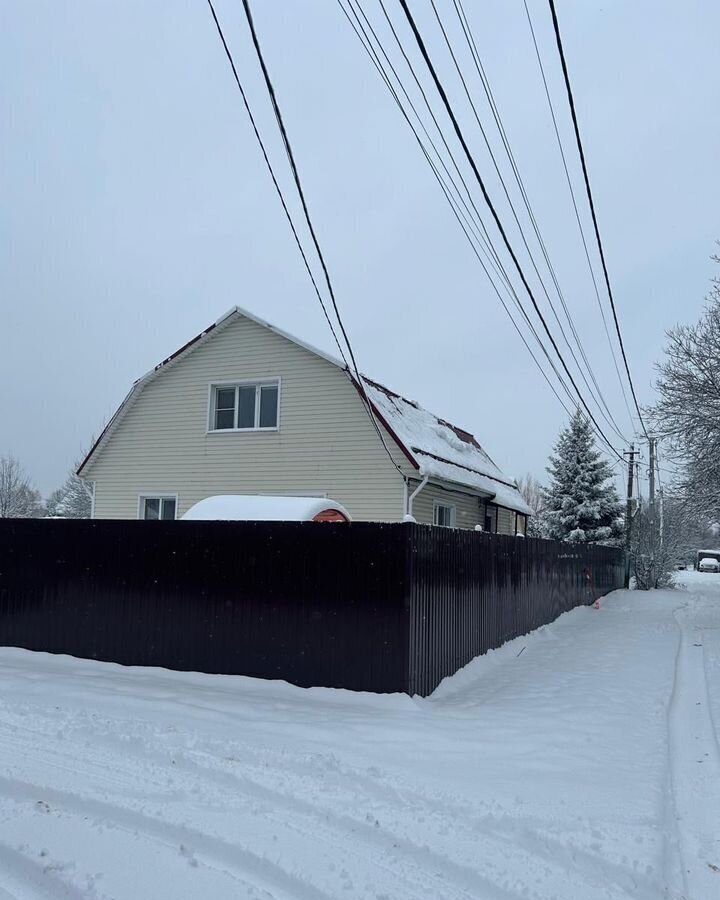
[585, 766]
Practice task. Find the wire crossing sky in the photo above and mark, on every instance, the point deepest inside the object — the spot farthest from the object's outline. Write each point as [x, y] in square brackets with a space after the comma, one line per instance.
[136, 208]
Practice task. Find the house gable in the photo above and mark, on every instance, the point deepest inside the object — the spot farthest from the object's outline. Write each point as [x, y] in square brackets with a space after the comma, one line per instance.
[326, 443]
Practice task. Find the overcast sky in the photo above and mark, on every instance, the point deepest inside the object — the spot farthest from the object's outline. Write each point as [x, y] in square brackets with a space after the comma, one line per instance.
[135, 207]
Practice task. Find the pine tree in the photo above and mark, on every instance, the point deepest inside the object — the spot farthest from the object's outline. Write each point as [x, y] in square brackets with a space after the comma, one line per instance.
[582, 504]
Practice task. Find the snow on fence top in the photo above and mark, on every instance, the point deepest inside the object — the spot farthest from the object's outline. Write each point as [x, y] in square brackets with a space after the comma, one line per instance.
[250, 508]
[442, 450]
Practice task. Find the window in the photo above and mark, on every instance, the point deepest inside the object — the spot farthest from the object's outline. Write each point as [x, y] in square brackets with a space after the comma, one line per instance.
[158, 507]
[491, 518]
[443, 515]
[244, 407]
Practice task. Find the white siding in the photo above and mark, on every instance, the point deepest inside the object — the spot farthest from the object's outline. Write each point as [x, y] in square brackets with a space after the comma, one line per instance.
[505, 521]
[469, 511]
[325, 445]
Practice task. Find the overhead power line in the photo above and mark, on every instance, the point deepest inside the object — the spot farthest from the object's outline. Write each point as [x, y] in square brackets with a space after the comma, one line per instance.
[591, 385]
[363, 29]
[296, 177]
[573, 198]
[270, 169]
[461, 138]
[468, 216]
[586, 177]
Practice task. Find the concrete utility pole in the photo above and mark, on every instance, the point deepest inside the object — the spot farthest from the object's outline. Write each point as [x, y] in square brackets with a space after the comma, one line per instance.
[651, 508]
[628, 510]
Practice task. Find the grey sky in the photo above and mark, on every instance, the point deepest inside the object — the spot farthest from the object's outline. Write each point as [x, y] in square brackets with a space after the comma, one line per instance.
[135, 208]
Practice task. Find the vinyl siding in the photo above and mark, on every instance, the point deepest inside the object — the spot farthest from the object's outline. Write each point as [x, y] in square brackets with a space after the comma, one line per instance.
[505, 521]
[325, 445]
[469, 511]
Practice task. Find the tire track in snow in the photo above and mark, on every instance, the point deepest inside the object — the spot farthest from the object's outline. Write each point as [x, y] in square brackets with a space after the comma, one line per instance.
[230, 859]
[694, 765]
[22, 878]
[517, 843]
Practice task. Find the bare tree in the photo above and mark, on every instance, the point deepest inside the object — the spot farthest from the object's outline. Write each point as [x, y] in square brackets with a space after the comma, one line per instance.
[73, 499]
[687, 413]
[532, 494]
[18, 498]
[652, 563]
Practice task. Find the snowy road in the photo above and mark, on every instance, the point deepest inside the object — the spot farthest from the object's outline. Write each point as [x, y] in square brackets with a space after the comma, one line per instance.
[584, 767]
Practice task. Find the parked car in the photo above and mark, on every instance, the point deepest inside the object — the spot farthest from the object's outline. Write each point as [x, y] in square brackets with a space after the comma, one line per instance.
[707, 564]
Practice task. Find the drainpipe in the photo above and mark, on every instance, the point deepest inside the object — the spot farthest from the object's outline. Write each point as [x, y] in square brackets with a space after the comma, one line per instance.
[414, 495]
[90, 491]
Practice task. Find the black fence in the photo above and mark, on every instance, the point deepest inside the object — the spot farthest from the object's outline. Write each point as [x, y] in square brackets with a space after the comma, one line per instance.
[365, 606]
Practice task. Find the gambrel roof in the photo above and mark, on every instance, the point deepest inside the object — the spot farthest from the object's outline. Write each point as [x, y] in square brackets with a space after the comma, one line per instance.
[433, 446]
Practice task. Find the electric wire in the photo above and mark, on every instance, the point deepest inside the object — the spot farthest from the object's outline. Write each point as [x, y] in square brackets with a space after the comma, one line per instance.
[286, 210]
[458, 131]
[466, 225]
[575, 208]
[586, 178]
[592, 385]
[273, 177]
[363, 29]
[301, 193]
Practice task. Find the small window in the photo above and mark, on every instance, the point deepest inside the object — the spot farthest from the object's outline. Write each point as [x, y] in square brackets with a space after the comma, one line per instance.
[444, 515]
[157, 507]
[244, 407]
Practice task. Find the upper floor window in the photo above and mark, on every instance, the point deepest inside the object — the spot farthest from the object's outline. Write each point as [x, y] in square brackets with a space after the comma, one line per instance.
[158, 507]
[248, 406]
[444, 515]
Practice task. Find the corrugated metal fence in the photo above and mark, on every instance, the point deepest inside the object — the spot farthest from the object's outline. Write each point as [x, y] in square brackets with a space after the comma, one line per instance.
[365, 606]
[471, 592]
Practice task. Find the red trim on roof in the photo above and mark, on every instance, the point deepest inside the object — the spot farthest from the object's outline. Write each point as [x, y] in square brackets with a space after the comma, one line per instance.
[463, 435]
[379, 416]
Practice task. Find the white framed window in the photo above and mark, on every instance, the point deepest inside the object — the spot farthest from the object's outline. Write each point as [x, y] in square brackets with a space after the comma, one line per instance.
[245, 406]
[443, 514]
[157, 506]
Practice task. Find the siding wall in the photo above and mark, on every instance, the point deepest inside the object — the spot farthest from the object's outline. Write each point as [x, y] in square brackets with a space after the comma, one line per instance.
[505, 521]
[326, 444]
[469, 510]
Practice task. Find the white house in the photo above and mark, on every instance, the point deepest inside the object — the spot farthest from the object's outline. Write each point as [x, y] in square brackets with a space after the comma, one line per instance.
[244, 408]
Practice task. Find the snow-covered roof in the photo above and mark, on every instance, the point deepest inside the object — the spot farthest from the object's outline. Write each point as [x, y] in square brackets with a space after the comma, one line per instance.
[438, 449]
[442, 450]
[251, 508]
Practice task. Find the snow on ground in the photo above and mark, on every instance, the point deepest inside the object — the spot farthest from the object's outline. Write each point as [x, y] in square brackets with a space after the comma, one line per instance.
[578, 763]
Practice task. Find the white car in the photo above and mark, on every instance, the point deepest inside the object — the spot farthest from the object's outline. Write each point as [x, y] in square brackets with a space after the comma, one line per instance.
[708, 564]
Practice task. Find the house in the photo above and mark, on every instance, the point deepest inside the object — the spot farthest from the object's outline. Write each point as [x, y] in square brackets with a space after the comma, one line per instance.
[244, 408]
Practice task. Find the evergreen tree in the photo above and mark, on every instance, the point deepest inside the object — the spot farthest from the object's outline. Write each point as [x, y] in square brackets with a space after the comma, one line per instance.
[582, 504]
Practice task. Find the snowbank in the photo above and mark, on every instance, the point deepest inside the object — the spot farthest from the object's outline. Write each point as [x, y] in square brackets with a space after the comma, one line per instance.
[575, 763]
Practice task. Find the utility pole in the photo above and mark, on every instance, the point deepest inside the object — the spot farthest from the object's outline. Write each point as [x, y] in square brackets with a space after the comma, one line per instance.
[629, 510]
[651, 508]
